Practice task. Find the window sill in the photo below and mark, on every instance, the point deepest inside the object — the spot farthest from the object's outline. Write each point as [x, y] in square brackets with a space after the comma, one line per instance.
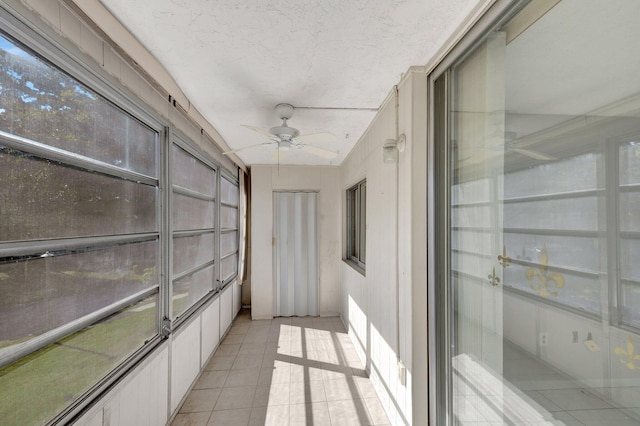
[355, 265]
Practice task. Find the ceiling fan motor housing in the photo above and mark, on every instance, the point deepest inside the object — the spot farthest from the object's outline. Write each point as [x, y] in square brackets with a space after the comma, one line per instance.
[284, 132]
[284, 111]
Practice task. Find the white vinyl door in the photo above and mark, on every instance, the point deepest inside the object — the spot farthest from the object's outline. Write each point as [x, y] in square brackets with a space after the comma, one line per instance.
[295, 254]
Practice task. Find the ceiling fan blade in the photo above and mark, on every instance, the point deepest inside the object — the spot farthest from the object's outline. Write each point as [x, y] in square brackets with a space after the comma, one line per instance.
[532, 154]
[319, 152]
[246, 147]
[259, 130]
[317, 138]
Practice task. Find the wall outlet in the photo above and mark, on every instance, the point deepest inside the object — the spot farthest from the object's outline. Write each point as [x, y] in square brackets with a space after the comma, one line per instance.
[543, 338]
[575, 337]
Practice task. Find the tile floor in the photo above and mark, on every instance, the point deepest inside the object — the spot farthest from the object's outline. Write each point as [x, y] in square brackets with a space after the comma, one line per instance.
[285, 371]
[532, 393]
[568, 402]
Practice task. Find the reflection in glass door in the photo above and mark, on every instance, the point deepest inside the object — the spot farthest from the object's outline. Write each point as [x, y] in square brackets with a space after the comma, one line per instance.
[476, 194]
[538, 132]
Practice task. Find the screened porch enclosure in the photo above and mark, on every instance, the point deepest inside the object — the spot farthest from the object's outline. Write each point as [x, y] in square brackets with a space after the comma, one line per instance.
[89, 233]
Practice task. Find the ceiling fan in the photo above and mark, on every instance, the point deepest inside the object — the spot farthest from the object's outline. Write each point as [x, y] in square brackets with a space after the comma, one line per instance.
[287, 138]
[509, 145]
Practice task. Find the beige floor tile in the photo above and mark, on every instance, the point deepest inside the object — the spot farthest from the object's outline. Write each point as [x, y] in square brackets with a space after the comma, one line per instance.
[239, 329]
[286, 371]
[256, 338]
[575, 399]
[326, 345]
[231, 398]
[323, 324]
[252, 348]
[302, 321]
[228, 350]
[200, 400]
[191, 419]
[273, 394]
[609, 416]
[376, 411]
[233, 339]
[315, 414]
[348, 413]
[274, 374]
[335, 372]
[330, 357]
[307, 392]
[273, 415]
[238, 417]
[276, 360]
[274, 346]
[244, 377]
[258, 329]
[247, 361]
[341, 389]
[295, 349]
[211, 379]
[219, 362]
[359, 372]
[274, 335]
[300, 373]
[365, 387]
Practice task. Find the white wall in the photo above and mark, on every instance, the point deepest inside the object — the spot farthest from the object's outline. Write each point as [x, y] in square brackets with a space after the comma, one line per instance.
[396, 220]
[264, 181]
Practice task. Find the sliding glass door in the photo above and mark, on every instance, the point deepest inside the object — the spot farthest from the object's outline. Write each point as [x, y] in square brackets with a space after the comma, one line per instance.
[537, 223]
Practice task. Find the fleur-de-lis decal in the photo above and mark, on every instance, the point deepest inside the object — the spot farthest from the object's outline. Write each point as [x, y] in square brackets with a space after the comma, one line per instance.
[628, 357]
[504, 260]
[544, 276]
[494, 280]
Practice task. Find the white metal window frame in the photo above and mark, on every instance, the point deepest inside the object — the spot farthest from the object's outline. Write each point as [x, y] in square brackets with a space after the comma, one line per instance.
[182, 142]
[16, 24]
[235, 182]
[356, 235]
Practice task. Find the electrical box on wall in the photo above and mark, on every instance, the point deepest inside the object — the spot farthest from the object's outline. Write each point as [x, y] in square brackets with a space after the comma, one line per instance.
[402, 373]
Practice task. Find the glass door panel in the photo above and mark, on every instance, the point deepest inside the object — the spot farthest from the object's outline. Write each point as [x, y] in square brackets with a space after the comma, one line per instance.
[542, 181]
[476, 237]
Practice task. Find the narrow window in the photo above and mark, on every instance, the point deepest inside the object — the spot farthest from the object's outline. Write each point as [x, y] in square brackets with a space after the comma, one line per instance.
[229, 203]
[194, 198]
[356, 223]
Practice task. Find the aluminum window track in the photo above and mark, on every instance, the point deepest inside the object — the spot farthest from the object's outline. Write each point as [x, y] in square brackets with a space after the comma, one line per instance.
[20, 350]
[68, 158]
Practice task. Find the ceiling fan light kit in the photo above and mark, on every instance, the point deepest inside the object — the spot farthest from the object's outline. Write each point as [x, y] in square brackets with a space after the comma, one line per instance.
[285, 138]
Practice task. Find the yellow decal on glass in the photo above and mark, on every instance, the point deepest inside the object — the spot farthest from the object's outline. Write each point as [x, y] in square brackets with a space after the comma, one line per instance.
[628, 357]
[544, 277]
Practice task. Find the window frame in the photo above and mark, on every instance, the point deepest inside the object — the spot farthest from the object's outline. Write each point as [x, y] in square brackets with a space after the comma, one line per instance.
[224, 282]
[50, 52]
[179, 140]
[55, 51]
[356, 226]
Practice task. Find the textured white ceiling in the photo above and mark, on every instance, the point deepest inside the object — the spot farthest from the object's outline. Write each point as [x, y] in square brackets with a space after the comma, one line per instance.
[236, 60]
